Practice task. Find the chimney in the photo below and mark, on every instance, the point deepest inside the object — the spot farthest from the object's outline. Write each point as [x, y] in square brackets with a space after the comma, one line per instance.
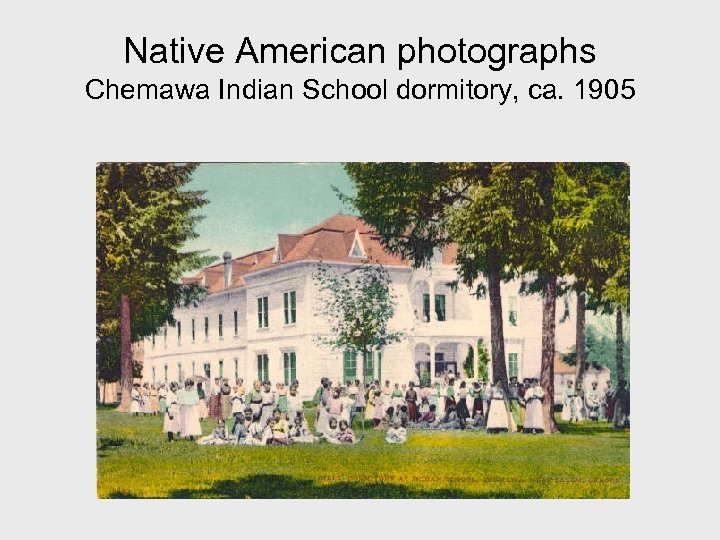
[227, 258]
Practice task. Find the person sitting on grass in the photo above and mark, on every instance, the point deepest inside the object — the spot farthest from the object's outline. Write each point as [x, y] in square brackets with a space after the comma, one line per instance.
[427, 419]
[476, 422]
[397, 434]
[299, 432]
[450, 420]
[241, 429]
[331, 431]
[255, 433]
[218, 435]
[344, 434]
[404, 415]
[280, 428]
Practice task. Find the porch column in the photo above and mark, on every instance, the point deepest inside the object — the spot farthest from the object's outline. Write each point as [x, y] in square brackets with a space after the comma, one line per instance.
[432, 361]
[432, 314]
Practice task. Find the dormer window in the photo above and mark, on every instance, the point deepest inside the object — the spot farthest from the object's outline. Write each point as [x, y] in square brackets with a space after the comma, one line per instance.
[357, 248]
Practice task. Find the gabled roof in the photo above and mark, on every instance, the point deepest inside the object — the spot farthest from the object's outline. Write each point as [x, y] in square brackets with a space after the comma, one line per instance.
[330, 241]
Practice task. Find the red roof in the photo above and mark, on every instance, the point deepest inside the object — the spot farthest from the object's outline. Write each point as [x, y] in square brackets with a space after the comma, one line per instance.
[331, 241]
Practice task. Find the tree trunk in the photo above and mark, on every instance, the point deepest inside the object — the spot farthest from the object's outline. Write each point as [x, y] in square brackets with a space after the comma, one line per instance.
[547, 369]
[580, 339]
[497, 337]
[619, 345]
[126, 362]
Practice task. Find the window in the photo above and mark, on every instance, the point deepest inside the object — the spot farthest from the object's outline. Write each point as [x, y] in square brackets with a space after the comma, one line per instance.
[153, 340]
[262, 310]
[192, 330]
[206, 369]
[220, 329]
[166, 373]
[207, 328]
[349, 365]
[513, 367]
[193, 368]
[289, 367]
[513, 311]
[220, 368]
[262, 367]
[369, 367]
[440, 307]
[290, 307]
[165, 336]
[153, 375]
[235, 322]
[237, 373]
[180, 373]
[179, 329]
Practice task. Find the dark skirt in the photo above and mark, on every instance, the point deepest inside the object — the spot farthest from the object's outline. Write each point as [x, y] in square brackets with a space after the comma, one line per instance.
[412, 411]
[215, 410]
[477, 406]
[462, 410]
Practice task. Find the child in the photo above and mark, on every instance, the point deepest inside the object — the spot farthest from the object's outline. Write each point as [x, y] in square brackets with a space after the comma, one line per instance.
[282, 397]
[335, 405]
[427, 420]
[255, 432]
[241, 429]
[396, 434]
[299, 432]
[136, 398]
[280, 428]
[294, 403]
[171, 420]
[218, 435]
[377, 409]
[331, 431]
[344, 435]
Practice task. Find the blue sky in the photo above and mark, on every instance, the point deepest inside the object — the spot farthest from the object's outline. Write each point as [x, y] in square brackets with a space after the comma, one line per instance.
[250, 203]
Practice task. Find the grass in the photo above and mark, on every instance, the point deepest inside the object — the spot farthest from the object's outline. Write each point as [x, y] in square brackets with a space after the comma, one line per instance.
[134, 460]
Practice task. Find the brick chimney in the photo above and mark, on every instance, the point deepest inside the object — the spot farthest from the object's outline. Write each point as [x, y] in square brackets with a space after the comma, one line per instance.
[227, 258]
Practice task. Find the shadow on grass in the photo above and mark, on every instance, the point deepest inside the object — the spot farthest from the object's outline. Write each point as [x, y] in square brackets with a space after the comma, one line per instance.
[273, 486]
[109, 443]
[589, 428]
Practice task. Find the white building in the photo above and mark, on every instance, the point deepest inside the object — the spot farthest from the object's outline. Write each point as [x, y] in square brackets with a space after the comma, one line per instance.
[261, 317]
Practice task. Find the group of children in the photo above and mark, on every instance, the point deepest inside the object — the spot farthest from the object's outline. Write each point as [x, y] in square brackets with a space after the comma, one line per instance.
[267, 416]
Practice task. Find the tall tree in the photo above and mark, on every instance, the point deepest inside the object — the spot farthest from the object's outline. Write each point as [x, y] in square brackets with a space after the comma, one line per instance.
[358, 305]
[143, 219]
[600, 255]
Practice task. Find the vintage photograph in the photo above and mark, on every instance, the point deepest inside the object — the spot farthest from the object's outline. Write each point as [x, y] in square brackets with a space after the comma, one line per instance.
[393, 330]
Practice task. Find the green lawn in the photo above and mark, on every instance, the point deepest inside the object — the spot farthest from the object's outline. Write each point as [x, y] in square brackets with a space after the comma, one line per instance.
[134, 459]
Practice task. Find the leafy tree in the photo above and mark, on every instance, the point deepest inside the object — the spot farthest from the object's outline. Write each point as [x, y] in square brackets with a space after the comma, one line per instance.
[358, 305]
[143, 219]
[600, 255]
[600, 348]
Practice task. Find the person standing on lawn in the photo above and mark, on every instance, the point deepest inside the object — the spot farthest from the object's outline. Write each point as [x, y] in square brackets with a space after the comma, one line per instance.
[411, 398]
[136, 399]
[188, 401]
[514, 401]
[621, 420]
[570, 410]
[533, 408]
[171, 415]
[497, 419]
[609, 402]
[162, 399]
[202, 404]
[214, 406]
[593, 399]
